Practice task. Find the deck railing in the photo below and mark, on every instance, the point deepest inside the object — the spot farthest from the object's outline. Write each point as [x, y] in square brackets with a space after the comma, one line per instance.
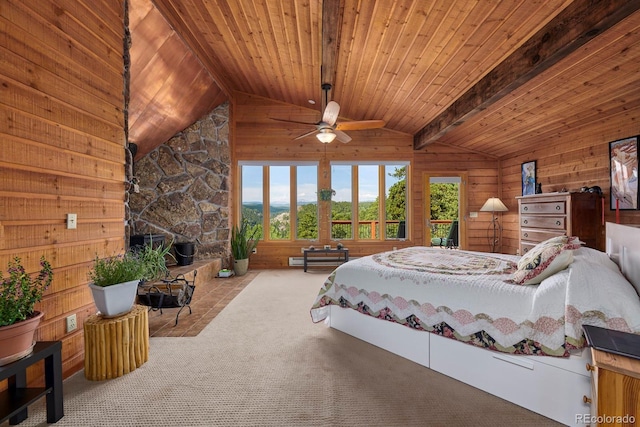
[440, 228]
[370, 229]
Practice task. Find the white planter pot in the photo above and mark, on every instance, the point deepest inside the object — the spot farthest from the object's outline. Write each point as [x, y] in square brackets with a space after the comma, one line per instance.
[115, 300]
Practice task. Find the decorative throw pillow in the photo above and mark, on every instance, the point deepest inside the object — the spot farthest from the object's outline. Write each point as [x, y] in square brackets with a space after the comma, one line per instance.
[545, 259]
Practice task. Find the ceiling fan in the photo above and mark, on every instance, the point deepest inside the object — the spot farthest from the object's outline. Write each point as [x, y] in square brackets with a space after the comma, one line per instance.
[327, 129]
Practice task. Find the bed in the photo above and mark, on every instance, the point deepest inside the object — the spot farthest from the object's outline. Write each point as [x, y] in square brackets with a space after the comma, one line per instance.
[465, 315]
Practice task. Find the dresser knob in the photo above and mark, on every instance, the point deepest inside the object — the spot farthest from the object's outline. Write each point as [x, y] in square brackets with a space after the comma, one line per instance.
[590, 367]
[525, 221]
[557, 207]
[586, 400]
[558, 223]
[526, 208]
[526, 234]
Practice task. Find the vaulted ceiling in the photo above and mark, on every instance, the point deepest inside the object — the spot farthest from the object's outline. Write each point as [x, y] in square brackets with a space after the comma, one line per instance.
[487, 76]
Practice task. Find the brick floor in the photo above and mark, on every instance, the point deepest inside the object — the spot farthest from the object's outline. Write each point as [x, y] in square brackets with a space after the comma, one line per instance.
[209, 298]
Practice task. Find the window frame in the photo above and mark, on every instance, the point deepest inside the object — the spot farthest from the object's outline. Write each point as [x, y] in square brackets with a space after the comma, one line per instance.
[266, 197]
[321, 221]
[382, 195]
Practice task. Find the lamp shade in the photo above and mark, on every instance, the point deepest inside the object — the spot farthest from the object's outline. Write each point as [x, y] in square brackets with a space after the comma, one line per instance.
[493, 205]
[326, 136]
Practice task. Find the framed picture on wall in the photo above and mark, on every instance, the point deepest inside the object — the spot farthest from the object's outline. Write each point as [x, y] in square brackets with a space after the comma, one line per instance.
[529, 178]
[623, 154]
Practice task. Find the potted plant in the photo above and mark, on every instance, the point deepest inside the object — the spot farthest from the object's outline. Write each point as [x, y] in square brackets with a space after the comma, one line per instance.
[325, 194]
[114, 283]
[154, 261]
[243, 242]
[114, 280]
[19, 292]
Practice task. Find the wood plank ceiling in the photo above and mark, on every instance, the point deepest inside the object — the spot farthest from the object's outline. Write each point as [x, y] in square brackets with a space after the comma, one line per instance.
[406, 62]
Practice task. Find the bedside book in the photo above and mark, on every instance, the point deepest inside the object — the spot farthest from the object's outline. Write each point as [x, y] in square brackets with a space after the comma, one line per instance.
[616, 342]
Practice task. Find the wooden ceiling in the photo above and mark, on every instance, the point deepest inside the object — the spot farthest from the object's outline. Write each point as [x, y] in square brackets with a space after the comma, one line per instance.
[462, 72]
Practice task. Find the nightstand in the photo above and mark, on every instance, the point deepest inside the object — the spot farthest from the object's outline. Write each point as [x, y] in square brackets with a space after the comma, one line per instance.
[615, 384]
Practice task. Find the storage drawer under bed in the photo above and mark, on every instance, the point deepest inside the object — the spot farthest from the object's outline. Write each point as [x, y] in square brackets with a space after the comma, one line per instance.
[524, 380]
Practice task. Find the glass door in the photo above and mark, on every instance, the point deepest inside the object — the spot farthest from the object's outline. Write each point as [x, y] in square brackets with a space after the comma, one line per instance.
[444, 202]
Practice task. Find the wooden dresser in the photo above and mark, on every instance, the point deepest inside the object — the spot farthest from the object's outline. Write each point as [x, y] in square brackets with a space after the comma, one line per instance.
[615, 390]
[542, 216]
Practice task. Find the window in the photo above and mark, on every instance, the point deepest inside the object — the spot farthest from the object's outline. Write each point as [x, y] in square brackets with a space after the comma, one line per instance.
[252, 197]
[280, 199]
[307, 202]
[375, 194]
[269, 189]
[368, 202]
[342, 202]
[395, 201]
[279, 202]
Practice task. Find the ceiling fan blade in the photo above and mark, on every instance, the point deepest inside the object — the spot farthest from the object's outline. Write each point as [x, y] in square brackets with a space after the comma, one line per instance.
[330, 114]
[293, 121]
[341, 136]
[360, 125]
[305, 134]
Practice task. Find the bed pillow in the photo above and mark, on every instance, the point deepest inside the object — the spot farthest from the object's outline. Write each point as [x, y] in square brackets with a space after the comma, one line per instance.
[545, 259]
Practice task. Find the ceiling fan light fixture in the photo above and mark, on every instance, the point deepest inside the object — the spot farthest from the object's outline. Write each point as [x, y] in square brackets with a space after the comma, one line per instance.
[326, 136]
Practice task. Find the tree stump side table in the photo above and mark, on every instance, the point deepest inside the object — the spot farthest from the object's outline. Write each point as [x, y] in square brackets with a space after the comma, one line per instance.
[115, 346]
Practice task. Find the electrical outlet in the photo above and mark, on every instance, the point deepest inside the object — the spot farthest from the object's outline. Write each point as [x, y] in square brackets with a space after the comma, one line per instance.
[72, 323]
[254, 251]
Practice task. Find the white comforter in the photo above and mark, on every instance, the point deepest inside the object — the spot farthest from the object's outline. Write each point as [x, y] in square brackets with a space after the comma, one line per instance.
[469, 296]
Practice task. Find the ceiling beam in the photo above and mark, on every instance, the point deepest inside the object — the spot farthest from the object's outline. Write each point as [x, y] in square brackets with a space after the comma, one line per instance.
[580, 22]
[332, 12]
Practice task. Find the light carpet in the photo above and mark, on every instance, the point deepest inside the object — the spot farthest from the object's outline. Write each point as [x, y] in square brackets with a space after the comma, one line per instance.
[262, 362]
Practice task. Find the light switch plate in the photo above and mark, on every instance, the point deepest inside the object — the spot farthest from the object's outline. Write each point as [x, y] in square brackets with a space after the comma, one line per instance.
[72, 221]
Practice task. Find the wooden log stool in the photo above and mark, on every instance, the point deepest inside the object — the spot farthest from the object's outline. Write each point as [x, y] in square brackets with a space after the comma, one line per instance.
[115, 346]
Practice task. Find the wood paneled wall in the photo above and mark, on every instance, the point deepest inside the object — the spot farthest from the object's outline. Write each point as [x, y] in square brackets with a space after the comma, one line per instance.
[482, 183]
[571, 159]
[257, 137]
[62, 150]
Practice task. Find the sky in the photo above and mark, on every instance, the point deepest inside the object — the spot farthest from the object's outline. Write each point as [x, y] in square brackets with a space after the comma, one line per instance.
[307, 183]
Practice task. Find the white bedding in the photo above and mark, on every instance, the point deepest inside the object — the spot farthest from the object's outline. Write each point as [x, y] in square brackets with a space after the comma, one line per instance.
[469, 296]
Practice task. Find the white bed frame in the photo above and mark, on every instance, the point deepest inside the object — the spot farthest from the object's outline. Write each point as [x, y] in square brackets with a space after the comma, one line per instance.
[552, 386]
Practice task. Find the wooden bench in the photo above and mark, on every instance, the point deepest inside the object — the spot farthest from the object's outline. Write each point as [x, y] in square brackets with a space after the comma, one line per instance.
[339, 255]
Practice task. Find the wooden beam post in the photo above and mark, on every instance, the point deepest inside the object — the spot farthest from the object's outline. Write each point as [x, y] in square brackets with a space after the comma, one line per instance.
[331, 25]
[580, 22]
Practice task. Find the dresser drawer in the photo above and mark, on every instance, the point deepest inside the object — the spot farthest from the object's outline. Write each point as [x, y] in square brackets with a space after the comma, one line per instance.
[537, 236]
[543, 208]
[552, 222]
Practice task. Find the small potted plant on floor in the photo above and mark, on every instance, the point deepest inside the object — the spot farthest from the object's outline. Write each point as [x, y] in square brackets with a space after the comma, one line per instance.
[243, 242]
[19, 292]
